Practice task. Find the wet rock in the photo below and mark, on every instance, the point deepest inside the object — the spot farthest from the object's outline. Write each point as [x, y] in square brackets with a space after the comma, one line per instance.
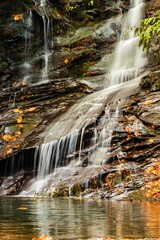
[63, 192]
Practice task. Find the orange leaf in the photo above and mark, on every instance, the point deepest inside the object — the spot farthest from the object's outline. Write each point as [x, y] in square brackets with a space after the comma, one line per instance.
[153, 126]
[31, 109]
[66, 61]
[6, 137]
[151, 140]
[16, 146]
[19, 119]
[136, 133]
[17, 110]
[148, 102]
[22, 208]
[8, 146]
[18, 17]
[9, 151]
[128, 129]
[17, 134]
[43, 237]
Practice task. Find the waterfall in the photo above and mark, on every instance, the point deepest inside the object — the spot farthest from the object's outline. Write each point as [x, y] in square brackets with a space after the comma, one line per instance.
[27, 67]
[52, 155]
[65, 150]
[28, 36]
[47, 39]
[27, 63]
[47, 29]
[129, 59]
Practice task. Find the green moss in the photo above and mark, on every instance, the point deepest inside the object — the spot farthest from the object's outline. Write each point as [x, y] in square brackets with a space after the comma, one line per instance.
[63, 192]
[76, 190]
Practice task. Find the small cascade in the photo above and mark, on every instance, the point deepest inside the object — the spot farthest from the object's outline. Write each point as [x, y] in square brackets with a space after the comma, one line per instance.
[27, 63]
[45, 52]
[46, 24]
[28, 36]
[129, 60]
[54, 154]
[82, 136]
[47, 28]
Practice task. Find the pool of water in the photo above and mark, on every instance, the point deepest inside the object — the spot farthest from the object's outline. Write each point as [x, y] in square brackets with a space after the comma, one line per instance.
[77, 219]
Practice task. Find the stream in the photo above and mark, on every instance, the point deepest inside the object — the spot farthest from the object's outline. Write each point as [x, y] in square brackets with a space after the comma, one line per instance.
[78, 219]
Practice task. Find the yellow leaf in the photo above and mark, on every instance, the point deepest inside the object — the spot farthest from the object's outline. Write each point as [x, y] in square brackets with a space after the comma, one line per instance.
[6, 137]
[18, 17]
[16, 146]
[9, 151]
[17, 110]
[8, 146]
[66, 61]
[22, 208]
[31, 109]
[58, 15]
[43, 237]
[17, 134]
[148, 102]
[19, 119]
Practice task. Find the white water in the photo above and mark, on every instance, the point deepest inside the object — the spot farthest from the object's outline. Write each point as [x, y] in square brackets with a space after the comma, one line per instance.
[64, 138]
[129, 60]
[27, 64]
[47, 29]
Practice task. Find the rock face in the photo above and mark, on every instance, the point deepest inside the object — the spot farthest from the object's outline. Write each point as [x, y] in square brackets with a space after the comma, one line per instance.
[73, 47]
[80, 35]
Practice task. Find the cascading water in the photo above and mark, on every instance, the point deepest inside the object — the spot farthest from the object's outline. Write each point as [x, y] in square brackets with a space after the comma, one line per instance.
[47, 36]
[65, 149]
[27, 64]
[129, 58]
[41, 6]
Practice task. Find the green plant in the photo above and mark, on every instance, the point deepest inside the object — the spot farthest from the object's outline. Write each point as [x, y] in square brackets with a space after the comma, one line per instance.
[148, 30]
[91, 3]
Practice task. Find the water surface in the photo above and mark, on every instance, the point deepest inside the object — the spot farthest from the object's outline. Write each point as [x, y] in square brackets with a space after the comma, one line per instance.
[77, 219]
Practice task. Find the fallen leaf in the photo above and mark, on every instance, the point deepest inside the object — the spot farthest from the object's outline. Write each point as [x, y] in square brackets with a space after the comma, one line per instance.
[31, 109]
[148, 102]
[6, 137]
[66, 61]
[19, 119]
[128, 129]
[136, 133]
[9, 151]
[153, 126]
[18, 17]
[22, 208]
[17, 134]
[16, 146]
[43, 237]
[17, 110]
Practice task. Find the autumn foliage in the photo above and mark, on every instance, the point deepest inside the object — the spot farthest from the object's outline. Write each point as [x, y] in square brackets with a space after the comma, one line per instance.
[152, 179]
[18, 17]
[11, 137]
[43, 237]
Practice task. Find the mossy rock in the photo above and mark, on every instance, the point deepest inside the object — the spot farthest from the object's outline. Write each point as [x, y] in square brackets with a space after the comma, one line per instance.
[62, 192]
[76, 190]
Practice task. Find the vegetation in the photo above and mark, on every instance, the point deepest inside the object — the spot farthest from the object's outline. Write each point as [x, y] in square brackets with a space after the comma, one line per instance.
[149, 30]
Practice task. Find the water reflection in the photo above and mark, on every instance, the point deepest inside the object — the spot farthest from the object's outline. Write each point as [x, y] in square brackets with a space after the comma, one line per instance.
[77, 219]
